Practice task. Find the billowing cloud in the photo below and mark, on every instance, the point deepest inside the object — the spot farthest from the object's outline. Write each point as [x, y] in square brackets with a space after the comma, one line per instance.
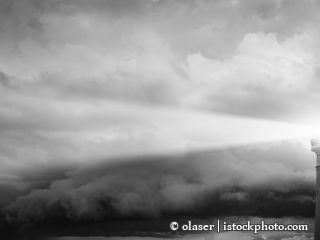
[259, 56]
[265, 77]
[91, 94]
[42, 128]
[276, 181]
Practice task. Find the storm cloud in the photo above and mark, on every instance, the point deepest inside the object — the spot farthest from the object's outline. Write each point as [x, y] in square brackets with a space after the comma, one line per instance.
[243, 181]
[154, 109]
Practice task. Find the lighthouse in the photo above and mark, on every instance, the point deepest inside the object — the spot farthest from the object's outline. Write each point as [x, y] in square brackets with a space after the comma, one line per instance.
[315, 147]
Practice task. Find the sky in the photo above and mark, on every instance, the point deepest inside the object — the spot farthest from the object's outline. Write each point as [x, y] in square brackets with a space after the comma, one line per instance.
[86, 80]
[213, 101]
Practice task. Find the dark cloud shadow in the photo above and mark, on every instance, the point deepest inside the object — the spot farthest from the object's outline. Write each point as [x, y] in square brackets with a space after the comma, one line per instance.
[243, 181]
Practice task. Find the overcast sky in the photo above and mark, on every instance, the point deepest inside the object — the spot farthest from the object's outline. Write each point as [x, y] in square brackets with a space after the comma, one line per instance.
[103, 78]
[256, 58]
[85, 82]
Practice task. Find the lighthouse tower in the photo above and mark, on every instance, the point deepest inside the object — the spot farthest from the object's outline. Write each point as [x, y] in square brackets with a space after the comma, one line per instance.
[315, 143]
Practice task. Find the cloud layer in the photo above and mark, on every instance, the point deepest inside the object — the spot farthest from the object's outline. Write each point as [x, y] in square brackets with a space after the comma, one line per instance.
[261, 57]
[86, 88]
[76, 78]
[271, 183]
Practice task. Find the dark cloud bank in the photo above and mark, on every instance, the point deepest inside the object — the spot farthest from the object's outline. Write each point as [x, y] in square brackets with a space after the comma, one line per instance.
[267, 182]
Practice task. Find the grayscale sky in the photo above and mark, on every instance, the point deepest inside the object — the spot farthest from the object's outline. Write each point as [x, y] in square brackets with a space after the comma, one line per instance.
[86, 80]
[156, 86]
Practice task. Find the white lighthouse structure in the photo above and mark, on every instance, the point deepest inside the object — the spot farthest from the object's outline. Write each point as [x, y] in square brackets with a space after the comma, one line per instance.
[315, 147]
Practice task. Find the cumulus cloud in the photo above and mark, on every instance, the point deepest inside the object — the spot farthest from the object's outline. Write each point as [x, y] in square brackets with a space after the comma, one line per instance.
[262, 56]
[263, 78]
[41, 128]
[214, 183]
[98, 83]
